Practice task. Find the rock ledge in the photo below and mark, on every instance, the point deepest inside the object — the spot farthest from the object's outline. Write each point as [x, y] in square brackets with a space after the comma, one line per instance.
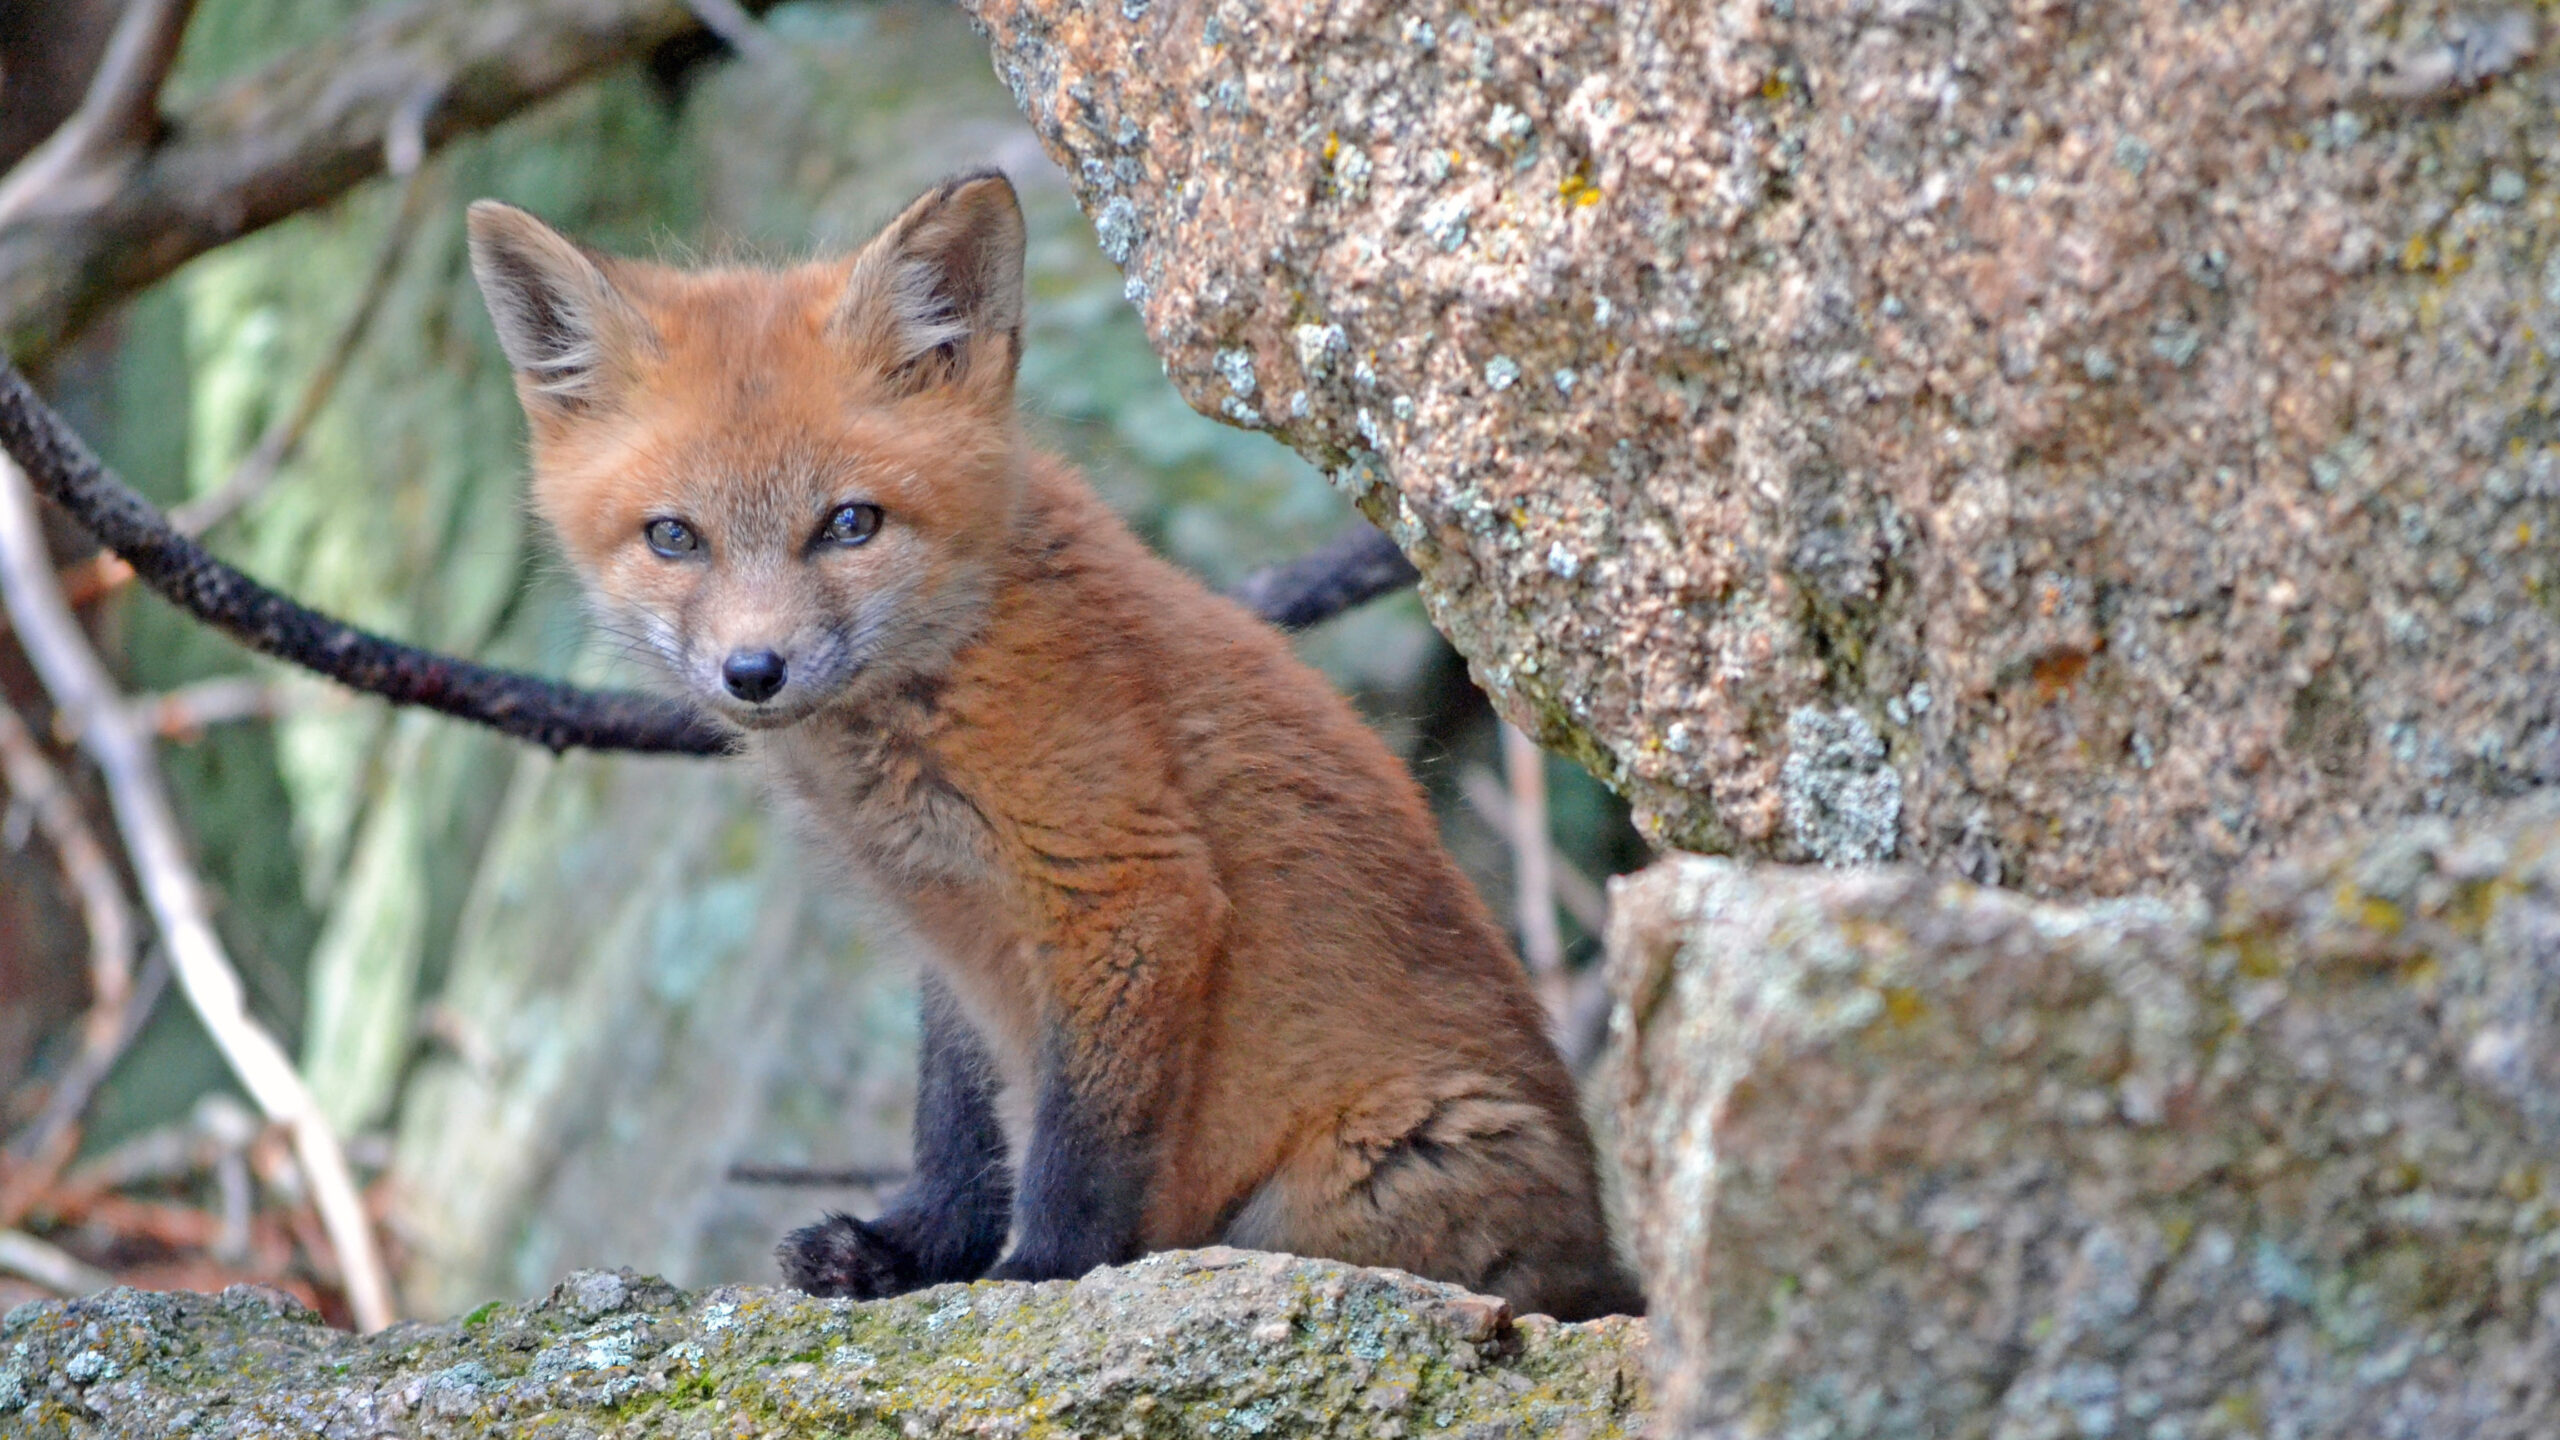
[1209, 1342]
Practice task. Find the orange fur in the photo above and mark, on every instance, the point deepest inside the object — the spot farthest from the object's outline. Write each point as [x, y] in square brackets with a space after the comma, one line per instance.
[1162, 866]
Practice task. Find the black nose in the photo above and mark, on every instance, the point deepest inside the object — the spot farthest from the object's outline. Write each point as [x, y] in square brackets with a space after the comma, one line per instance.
[754, 676]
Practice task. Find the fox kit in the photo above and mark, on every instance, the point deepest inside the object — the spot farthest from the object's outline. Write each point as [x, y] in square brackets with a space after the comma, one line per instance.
[1203, 973]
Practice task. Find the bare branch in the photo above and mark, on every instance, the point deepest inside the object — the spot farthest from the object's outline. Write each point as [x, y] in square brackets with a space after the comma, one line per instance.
[1580, 896]
[29, 1258]
[405, 153]
[300, 131]
[84, 696]
[83, 163]
[89, 1068]
[91, 873]
[64, 470]
[747, 1173]
[1533, 886]
[187, 712]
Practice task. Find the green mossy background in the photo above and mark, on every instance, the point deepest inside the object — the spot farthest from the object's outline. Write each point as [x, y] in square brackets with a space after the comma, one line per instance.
[560, 996]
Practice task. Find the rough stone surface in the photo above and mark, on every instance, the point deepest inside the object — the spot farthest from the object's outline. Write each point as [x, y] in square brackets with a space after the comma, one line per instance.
[1211, 1342]
[2139, 415]
[1906, 1157]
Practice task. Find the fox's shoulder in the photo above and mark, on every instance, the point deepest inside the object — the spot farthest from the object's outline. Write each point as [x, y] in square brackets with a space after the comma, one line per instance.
[1080, 565]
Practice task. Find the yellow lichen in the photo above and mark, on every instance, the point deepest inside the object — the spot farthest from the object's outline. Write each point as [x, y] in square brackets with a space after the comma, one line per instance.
[2370, 911]
[1902, 1005]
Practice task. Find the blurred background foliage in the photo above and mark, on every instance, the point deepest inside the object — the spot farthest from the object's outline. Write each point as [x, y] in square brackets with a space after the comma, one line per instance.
[556, 998]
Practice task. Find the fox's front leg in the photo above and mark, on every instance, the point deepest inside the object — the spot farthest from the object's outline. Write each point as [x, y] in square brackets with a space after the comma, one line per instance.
[949, 1221]
[1120, 1047]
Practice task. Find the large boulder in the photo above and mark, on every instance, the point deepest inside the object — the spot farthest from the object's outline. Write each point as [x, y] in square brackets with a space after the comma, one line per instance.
[2075, 445]
[1906, 1157]
[1210, 1342]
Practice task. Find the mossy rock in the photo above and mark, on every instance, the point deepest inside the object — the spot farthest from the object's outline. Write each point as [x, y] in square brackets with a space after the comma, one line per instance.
[1211, 1342]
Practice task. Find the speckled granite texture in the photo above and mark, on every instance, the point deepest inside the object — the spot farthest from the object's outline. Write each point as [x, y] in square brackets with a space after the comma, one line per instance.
[1208, 1342]
[1906, 1157]
[2117, 438]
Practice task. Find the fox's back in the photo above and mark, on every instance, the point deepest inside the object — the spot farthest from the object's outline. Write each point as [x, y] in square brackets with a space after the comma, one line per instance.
[1355, 953]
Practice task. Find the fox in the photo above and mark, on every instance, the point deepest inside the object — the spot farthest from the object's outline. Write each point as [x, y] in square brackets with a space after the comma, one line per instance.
[1198, 968]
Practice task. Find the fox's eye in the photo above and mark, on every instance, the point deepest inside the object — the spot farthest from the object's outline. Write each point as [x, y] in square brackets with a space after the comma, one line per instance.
[672, 538]
[850, 525]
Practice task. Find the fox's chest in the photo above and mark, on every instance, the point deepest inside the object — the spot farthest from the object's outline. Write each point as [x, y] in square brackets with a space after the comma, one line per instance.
[881, 802]
[882, 805]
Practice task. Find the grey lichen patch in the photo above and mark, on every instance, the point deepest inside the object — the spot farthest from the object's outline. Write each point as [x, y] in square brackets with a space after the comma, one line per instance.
[1236, 368]
[1909, 1157]
[1208, 1342]
[1445, 221]
[1117, 226]
[1844, 802]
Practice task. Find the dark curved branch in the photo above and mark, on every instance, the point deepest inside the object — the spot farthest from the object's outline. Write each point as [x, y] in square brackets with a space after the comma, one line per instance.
[1348, 571]
[64, 471]
[62, 468]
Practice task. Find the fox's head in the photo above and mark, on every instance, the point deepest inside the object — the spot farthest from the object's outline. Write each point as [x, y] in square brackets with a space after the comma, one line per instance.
[791, 484]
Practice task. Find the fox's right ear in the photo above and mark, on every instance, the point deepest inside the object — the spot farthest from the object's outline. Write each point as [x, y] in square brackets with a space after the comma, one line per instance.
[559, 320]
[937, 296]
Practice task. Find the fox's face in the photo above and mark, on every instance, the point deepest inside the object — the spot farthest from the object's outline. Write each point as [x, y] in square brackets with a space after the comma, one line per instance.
[789, 486]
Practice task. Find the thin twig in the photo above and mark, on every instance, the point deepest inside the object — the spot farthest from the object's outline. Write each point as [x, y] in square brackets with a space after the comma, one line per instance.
[188, 711]
[746, 1173]
[104, 911]
[162, 1153]
[406, 152]
[121, 749]
[405, 149]
[1583, 1033]
[1576, 892]
[27, 1257]
[65, 471]
[24, 1182]
[85, 159]
[1533, 889]
[96, 1060]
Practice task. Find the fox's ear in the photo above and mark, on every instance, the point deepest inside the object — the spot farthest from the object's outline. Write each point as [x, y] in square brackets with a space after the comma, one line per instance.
[937, 298]
[560, 321]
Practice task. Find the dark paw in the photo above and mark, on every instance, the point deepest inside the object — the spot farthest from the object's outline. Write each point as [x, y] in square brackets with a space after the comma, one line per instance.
[841, 1256]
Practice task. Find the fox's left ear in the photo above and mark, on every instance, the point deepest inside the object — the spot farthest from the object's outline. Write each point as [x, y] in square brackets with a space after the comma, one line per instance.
[937, 298]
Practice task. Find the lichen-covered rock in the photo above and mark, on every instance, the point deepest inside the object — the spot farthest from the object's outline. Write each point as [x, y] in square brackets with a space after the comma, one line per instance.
[1210, 1342]
[1905, 1157]
[2137, 417]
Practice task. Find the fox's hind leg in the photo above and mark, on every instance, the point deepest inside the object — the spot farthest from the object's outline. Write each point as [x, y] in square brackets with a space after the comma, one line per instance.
[949, 1221]
[1460, 1179]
